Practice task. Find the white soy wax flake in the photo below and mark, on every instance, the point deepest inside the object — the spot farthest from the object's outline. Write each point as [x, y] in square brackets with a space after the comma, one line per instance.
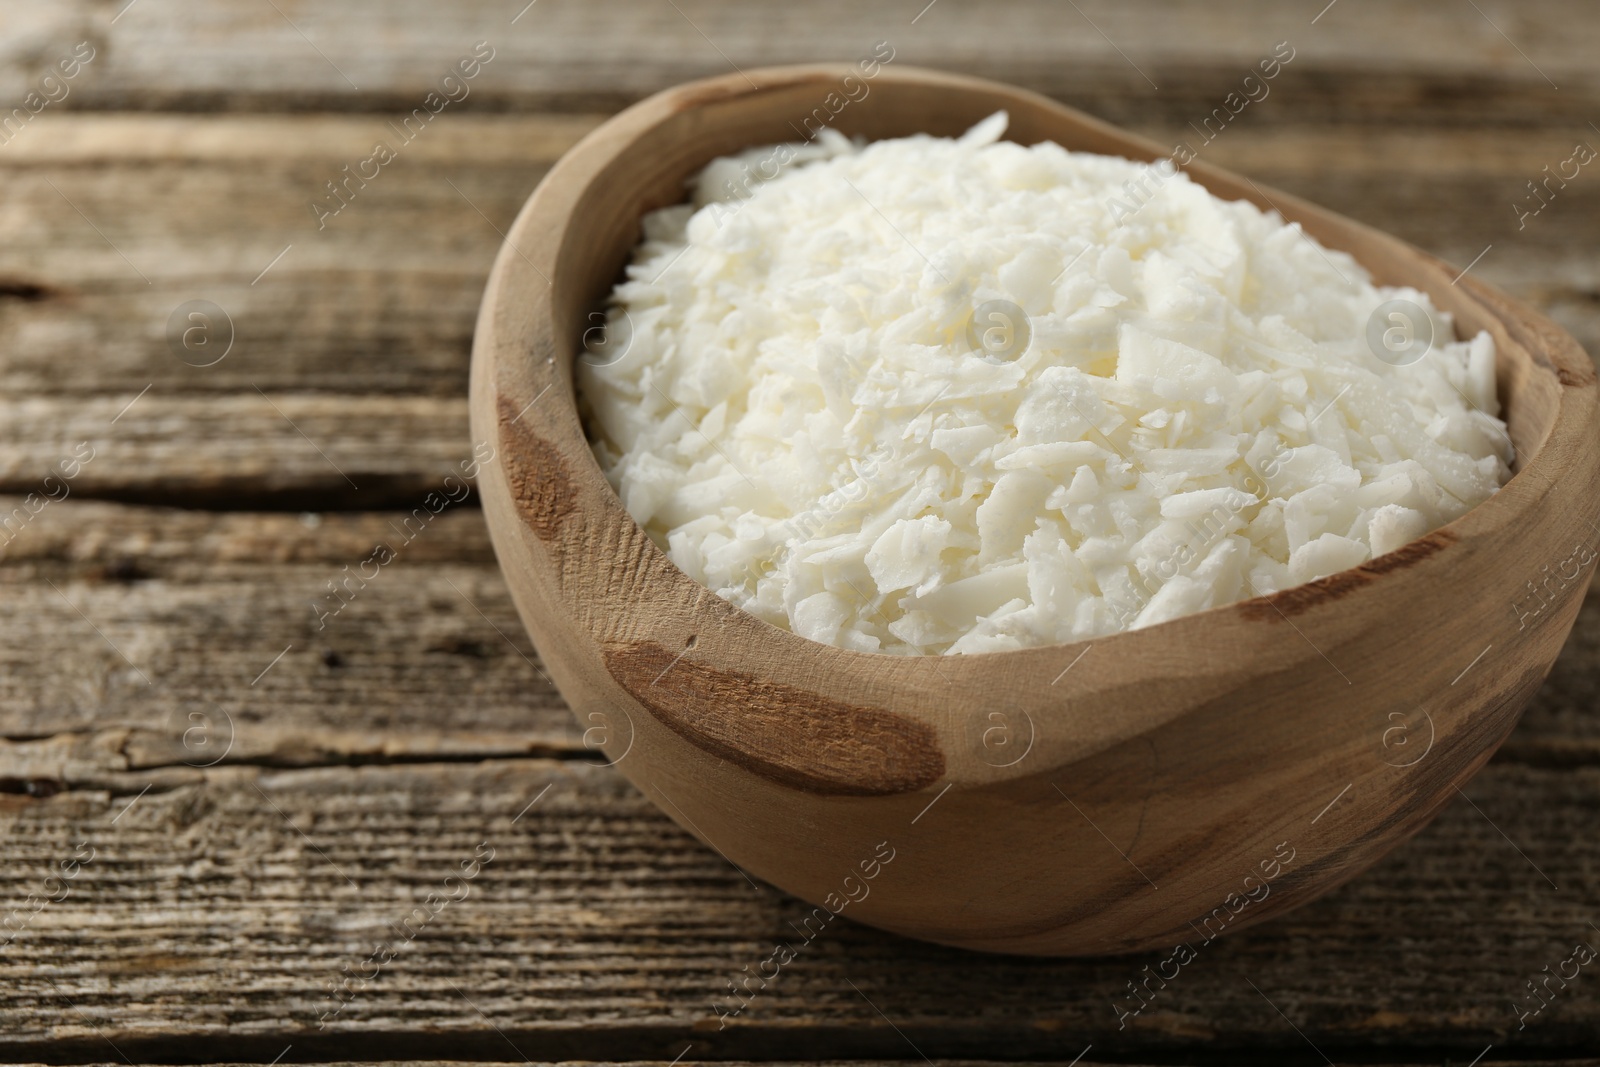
[935, 395]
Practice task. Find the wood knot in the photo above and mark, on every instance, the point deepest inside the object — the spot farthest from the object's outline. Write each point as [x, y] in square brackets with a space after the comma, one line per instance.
[783, 733]
[541, 482]
[26, 291]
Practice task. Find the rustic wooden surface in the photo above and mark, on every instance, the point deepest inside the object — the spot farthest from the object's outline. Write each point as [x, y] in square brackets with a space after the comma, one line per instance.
[370, 760]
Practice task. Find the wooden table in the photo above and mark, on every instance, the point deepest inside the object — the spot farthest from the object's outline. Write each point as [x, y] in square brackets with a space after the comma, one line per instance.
[226, 801]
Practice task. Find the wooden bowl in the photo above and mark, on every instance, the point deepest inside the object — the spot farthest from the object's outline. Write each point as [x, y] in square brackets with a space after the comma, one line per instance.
[1140, 790]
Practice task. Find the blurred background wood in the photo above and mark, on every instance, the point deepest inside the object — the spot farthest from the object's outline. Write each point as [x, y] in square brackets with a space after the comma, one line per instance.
[384, 746]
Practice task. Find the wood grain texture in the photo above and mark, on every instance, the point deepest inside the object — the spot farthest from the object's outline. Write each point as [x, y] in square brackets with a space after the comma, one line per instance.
[1419, 118]
[225, 904]
[424, 661]
[1443, 63]
[115, 221]
[272, 450]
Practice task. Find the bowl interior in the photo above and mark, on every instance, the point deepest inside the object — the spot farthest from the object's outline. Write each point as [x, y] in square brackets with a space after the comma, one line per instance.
[726, 116]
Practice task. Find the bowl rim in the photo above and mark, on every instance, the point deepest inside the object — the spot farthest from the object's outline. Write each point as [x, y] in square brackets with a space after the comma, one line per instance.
[1546, 347]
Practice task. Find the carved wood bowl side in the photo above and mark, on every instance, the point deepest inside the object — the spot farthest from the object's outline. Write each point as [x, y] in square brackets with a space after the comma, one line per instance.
[1148, 788]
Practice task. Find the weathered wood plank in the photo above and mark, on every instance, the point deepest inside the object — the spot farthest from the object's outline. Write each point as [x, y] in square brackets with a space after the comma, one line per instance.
[223, 906]
[113, 224]
[206, 926]
[425, 660]
[274, 450]
[1411, 59]
[376, 309]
